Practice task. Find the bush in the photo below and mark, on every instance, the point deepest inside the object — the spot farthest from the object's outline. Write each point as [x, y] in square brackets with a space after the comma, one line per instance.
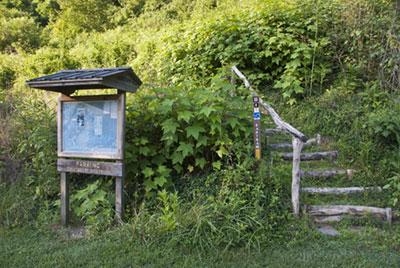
[182, 130]
[237, 206]
[282, 48]
[18, 31]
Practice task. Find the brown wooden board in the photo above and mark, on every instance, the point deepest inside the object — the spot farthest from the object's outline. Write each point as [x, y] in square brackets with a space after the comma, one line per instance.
[90, 167]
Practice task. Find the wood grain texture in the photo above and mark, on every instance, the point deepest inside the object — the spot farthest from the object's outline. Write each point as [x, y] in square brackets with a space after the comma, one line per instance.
[331, 155]
[120, 198]
[90, 167]
[281, 146]
[64, 183]
[338, 190]
[333, 210]
[325, 173]
[297, 147]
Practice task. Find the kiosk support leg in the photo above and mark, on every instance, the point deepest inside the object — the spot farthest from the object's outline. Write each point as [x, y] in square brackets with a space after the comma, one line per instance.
[119, 197]
[64, 198]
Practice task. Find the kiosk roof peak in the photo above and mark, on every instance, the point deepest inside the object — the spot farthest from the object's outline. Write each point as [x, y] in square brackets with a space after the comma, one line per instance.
[67, 81]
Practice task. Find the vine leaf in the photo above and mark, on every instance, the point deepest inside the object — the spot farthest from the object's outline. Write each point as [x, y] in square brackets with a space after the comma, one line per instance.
[169, 126]
[148, 172]
[185, 115]
[160, 181]
[194, 131]
[185, 148]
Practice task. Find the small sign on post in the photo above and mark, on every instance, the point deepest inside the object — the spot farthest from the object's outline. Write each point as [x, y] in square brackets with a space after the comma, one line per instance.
[257, 127]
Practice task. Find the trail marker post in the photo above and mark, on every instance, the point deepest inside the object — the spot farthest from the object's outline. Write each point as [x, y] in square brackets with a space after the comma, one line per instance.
[257, 127]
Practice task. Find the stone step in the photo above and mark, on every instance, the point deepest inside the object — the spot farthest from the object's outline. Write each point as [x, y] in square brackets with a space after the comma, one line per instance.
[327, 219]
[338, 190]
[331, 155]
[326, 173]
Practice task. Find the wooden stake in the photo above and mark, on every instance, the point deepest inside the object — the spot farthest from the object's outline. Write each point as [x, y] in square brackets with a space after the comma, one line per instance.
[119, 199]
[64, 199]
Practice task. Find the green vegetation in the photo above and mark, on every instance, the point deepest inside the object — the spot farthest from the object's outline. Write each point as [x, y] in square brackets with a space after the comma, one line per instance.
[328, 67]
[119, 248]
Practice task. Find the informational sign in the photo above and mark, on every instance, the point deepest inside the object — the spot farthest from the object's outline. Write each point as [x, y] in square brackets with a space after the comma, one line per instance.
[90, 128]
[257, 127]
[90, 167]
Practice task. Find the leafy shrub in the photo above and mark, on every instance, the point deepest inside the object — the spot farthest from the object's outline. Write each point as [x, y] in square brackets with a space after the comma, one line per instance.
[365, 37]
[7, 75]
[169, 209]
[384, 125]
[182, 129]
[36, 147]
[280, 48]
[236, 206]
[49, 60]
[104, 50]
[18, 31]
[17, 205]
[393, 186]
[76, 16]
[94, 205]
[29, 136]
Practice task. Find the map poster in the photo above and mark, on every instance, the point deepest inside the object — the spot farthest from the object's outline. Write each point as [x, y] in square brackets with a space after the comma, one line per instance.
[89, 128]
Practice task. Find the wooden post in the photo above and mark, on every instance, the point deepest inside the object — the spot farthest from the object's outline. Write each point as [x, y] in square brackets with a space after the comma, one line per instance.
[119, 198]
[257, 127]
[64, 199]
[297, 147]
[120, 180]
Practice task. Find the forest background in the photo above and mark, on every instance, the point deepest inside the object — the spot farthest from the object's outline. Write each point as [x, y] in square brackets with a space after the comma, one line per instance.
[328, 67]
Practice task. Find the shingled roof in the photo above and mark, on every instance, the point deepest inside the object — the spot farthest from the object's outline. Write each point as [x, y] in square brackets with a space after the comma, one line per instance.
[67, 81]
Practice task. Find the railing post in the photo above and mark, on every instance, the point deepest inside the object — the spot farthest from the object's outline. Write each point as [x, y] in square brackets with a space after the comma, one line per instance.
[297, 147]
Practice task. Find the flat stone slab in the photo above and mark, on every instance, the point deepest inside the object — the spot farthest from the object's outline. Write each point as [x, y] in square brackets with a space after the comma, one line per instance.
[72, 232]
[328, 230]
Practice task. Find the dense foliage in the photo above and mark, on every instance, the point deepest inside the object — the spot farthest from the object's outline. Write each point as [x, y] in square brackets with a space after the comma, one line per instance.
[329, 67]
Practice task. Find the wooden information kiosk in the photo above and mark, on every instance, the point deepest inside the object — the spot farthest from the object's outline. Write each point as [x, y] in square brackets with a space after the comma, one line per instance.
[90, 127]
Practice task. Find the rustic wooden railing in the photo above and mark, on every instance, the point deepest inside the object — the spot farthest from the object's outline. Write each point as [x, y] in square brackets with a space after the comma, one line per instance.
[298, 142]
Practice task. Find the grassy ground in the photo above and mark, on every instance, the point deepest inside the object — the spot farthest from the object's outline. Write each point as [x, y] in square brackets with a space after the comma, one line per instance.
[24, 247]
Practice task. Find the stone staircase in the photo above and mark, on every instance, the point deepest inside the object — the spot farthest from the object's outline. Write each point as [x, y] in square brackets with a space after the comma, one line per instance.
[329, 212]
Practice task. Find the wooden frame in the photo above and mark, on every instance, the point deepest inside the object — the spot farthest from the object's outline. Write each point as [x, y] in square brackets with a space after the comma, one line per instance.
[121, 98]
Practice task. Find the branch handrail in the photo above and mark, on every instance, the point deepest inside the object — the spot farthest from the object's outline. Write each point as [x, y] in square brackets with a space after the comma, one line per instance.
[282, 125]
[298, 142]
